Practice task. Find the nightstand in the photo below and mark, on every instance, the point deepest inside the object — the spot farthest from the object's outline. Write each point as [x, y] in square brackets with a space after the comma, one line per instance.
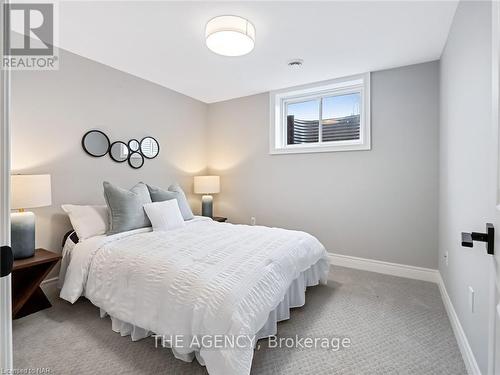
[27, 275]
[220, 219]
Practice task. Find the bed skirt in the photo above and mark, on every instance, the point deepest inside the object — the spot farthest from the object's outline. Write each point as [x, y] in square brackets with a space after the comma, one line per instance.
[295, 297]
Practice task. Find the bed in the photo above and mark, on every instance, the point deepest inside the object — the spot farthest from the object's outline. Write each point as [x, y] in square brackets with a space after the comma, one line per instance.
[205, 279]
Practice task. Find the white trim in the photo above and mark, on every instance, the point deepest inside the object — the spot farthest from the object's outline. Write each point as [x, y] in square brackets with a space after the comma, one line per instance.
[493, 329]
[277, 137]
[6, 358]
[492, 316]
[463, 343]
[387, 268]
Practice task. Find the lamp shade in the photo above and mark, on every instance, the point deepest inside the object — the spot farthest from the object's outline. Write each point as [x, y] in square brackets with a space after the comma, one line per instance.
[30, 191]
[230, 35]
[206, 184]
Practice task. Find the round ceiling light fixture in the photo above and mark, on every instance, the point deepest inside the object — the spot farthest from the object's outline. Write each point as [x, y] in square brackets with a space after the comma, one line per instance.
[230, 35]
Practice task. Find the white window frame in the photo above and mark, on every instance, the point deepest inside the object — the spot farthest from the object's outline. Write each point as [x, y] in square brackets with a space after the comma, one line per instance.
[279, 99]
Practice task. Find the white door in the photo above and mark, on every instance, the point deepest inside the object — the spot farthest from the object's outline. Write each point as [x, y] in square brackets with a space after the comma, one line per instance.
[5, 282]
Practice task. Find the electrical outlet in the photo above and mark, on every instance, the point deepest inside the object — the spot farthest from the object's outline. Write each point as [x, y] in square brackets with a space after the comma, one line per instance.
[471, 299]
[446, 259]
[253, 221]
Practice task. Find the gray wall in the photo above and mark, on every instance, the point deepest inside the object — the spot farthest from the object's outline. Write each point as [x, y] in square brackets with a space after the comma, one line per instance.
[52, 110]
[379, 204]
[467, 185]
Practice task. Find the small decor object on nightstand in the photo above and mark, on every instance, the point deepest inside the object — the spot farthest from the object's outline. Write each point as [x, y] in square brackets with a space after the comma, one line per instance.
[28, 191]
[207, 185]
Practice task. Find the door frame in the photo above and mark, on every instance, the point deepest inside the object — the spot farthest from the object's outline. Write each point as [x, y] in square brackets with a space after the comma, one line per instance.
[6, 358]
[494, 316]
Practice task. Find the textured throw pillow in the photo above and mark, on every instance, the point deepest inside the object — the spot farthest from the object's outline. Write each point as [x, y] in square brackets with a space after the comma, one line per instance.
[87, 221]
[126, 210]
[164, 215]
[186, 212]
[159, 195]
[173, 192]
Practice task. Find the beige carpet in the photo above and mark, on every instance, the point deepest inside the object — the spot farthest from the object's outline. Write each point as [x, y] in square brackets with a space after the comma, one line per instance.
[396, 326]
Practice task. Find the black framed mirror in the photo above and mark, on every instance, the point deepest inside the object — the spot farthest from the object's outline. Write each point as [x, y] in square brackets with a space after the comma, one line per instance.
[119, 151]
[95, 143]
[133, 145]
[149, 147]
[135, 160]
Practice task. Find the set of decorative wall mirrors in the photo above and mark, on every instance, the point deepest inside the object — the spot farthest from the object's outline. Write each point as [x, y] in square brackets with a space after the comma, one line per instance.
[97, 144]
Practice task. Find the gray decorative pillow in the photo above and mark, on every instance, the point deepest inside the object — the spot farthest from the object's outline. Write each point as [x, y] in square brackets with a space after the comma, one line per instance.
[159, 195]
[126, 210]
[187, 214]
[173, 192]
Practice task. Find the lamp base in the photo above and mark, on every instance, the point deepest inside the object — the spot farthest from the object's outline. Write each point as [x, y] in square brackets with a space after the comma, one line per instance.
[207, 206]
[22, 229]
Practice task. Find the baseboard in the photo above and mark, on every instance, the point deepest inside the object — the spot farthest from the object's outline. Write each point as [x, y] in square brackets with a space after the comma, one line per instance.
[387, 268]
[463, 343]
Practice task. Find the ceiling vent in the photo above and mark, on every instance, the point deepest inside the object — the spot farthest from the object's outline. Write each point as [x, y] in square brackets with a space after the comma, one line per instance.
[295, 63]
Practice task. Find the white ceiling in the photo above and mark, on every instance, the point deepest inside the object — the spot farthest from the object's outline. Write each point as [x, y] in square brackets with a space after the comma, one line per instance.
[163, 42]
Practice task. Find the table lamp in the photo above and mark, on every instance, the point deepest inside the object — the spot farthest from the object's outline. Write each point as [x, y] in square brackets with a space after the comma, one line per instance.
[28, 191]
[207, 185]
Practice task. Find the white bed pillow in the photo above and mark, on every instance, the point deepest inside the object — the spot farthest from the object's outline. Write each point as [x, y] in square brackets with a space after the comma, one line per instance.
[87, 221]
[164, 215]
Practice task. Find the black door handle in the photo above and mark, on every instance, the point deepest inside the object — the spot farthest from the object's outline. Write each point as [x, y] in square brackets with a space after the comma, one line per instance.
[6, 261]
[488, 237]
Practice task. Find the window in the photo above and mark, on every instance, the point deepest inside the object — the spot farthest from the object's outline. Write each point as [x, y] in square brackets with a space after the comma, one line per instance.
[328, 116]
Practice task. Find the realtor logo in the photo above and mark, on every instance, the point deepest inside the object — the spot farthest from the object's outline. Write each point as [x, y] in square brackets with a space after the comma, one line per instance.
[29, 37]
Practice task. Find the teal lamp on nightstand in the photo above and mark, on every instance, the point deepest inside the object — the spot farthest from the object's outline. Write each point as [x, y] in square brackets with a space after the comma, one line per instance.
[28, 191]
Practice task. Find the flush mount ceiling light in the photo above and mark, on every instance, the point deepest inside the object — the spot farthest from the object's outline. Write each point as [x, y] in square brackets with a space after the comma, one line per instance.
[230, 35]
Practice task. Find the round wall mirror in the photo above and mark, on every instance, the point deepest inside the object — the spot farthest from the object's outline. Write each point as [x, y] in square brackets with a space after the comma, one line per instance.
[150, 147]
[133, 145]
[95, 143]
[135, 160]
[119, 151]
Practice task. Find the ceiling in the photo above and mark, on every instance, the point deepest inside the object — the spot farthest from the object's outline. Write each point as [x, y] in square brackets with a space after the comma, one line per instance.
[163, 42]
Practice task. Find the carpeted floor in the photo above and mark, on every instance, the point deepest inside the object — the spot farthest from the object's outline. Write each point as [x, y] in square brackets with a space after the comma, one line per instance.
[396, 326]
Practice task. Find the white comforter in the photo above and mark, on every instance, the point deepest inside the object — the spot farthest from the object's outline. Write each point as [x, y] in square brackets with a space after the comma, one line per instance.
[207, 278]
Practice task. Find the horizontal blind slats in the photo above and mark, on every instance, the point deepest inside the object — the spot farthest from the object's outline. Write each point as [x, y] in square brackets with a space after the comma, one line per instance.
[339, 129]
